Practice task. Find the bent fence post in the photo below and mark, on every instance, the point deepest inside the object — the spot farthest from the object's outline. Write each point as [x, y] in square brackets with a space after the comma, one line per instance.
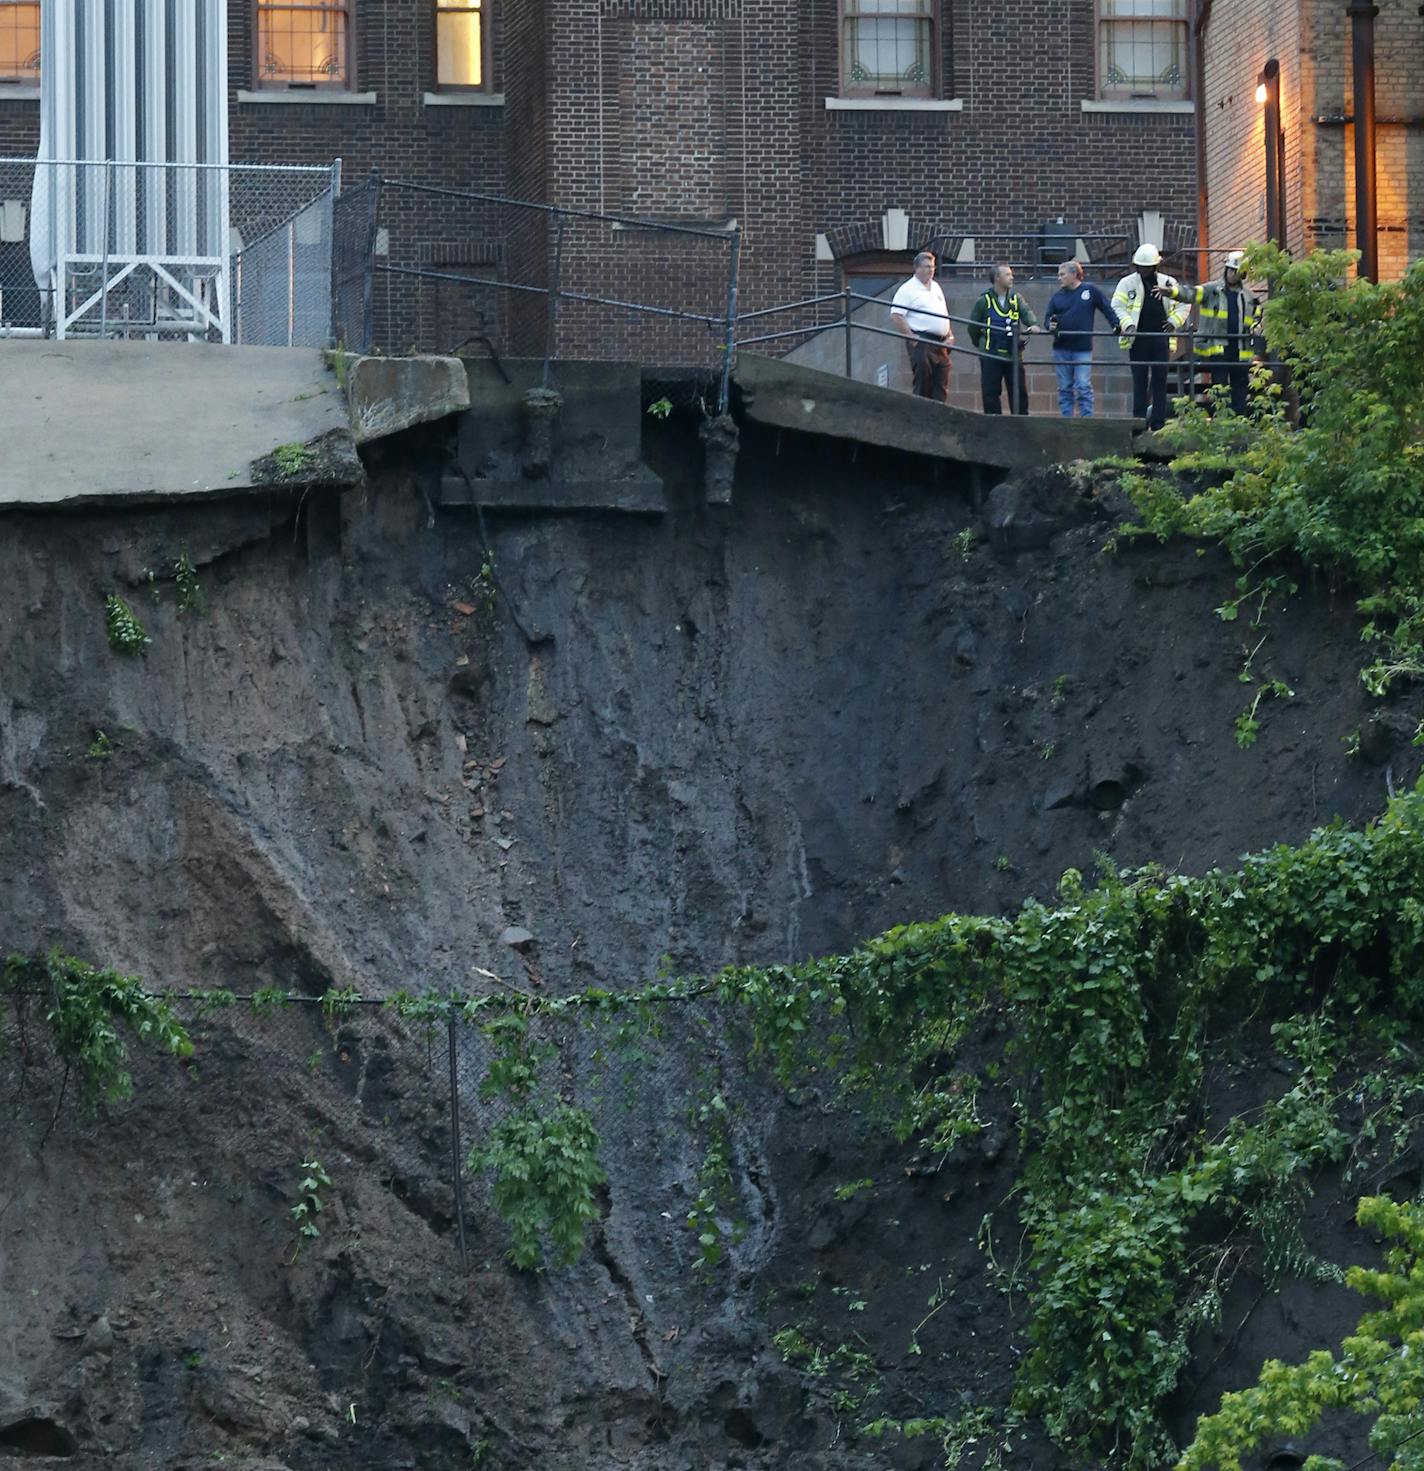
[553, 318]
[730, 338]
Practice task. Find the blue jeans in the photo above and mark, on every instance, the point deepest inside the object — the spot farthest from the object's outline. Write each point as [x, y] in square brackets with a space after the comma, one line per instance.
[1075, 378]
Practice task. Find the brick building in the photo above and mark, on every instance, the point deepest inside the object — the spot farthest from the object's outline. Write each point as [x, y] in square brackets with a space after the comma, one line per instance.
[840, 135]
[1311, 41]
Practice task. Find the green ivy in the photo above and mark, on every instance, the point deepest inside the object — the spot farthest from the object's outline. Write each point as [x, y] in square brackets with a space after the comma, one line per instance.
[1135, 1216]
[546, 1177]
[90, 1013]
[543, 1155]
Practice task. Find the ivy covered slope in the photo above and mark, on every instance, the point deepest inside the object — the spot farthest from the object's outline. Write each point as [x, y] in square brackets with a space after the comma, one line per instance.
[1134, 1207]
[1136, 1210]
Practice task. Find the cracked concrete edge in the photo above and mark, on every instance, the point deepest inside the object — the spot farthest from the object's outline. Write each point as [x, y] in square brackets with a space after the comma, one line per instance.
[387, 395]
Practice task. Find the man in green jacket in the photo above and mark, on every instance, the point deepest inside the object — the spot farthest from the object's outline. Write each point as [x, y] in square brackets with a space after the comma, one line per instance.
[1227, 317]
[999, 324]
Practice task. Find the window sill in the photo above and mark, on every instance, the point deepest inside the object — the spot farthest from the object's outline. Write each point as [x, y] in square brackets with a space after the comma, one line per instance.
[19, 94]
[464, 99]
[894, 104]
[1183, 108]
[316, 98]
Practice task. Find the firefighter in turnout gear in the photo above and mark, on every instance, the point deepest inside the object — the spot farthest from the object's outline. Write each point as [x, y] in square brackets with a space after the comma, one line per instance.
[999, 324]
[1228, 317]
[1149, 316]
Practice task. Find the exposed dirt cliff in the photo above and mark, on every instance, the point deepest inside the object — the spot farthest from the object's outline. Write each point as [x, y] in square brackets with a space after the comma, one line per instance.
[734, 734]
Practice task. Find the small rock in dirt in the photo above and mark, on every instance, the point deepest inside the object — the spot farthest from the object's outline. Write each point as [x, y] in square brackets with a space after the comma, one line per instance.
[100, 1337]
[517, 938]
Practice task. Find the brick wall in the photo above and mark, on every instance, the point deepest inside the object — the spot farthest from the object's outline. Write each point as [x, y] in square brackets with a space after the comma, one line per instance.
[1241, 37]
[1311, 40]
[1022, 151]
[1399, 166]
[709, 110]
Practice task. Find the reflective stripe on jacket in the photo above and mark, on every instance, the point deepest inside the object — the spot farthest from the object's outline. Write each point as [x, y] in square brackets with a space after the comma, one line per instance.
[994, 330]
[1213, 302]
[1128, 299]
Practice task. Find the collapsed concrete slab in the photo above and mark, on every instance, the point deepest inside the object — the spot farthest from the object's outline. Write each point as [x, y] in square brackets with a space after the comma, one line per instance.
[94, 422]
[787, 396]
[387, 395]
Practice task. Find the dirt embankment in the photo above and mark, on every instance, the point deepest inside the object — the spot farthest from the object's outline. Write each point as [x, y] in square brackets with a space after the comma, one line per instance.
[742, 733]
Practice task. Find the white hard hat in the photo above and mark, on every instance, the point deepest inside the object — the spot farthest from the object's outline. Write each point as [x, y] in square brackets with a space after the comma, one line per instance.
[1234, 260]
[1147, 255]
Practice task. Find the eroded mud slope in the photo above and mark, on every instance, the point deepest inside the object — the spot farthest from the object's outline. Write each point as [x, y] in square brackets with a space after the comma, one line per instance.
[732, 734]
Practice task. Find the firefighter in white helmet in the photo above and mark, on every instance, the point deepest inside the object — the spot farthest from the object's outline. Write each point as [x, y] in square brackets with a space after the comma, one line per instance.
[1228, 317]
[1146, 307]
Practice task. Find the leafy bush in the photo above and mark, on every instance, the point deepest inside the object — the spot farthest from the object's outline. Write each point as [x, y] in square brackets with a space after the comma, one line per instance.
[1342, 494]
[126, 633]
[1379, 1370]
[543, 1155]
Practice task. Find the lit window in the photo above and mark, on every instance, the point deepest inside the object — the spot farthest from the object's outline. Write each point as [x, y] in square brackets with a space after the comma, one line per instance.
[20, 41]
[459, 43]
[302, 45]
[887, 47]
[1142, 48]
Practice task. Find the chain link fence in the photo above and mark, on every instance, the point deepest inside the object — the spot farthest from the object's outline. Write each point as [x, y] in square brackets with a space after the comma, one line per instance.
[281, 1081]
[198, 252]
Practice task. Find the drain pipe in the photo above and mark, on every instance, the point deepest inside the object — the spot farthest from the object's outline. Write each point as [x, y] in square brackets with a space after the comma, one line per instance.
[1200, 20]
[1362, 36]
[1268, 92]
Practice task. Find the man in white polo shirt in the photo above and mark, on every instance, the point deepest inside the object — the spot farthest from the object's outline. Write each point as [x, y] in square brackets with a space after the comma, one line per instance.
[918, 310]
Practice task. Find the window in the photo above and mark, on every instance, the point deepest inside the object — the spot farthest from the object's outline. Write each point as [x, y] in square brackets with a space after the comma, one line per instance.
[303, 45]
[1142, 48]
[887, 47]
[459, 43]
[20, 41]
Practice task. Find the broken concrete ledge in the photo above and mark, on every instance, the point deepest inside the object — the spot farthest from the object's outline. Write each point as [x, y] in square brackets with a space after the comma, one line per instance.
[94, 423]
[387, 395]
[788, 396]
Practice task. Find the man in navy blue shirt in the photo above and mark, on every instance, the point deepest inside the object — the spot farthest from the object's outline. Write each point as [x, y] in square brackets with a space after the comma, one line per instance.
[1070, 319]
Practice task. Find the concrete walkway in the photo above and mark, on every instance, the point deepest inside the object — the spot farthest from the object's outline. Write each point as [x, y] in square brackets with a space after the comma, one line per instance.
[788, 396]
[106, 421]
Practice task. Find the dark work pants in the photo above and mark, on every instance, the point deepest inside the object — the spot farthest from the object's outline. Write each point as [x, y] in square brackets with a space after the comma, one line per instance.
[1149, 379]
[996, 377]
[1237, 376]
[930, 366]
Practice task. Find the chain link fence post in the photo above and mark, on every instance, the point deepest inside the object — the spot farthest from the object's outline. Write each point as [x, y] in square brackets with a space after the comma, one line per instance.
[457, 1164]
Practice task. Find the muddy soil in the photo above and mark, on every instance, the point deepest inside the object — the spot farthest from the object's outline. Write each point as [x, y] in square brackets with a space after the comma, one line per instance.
[742, 733]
